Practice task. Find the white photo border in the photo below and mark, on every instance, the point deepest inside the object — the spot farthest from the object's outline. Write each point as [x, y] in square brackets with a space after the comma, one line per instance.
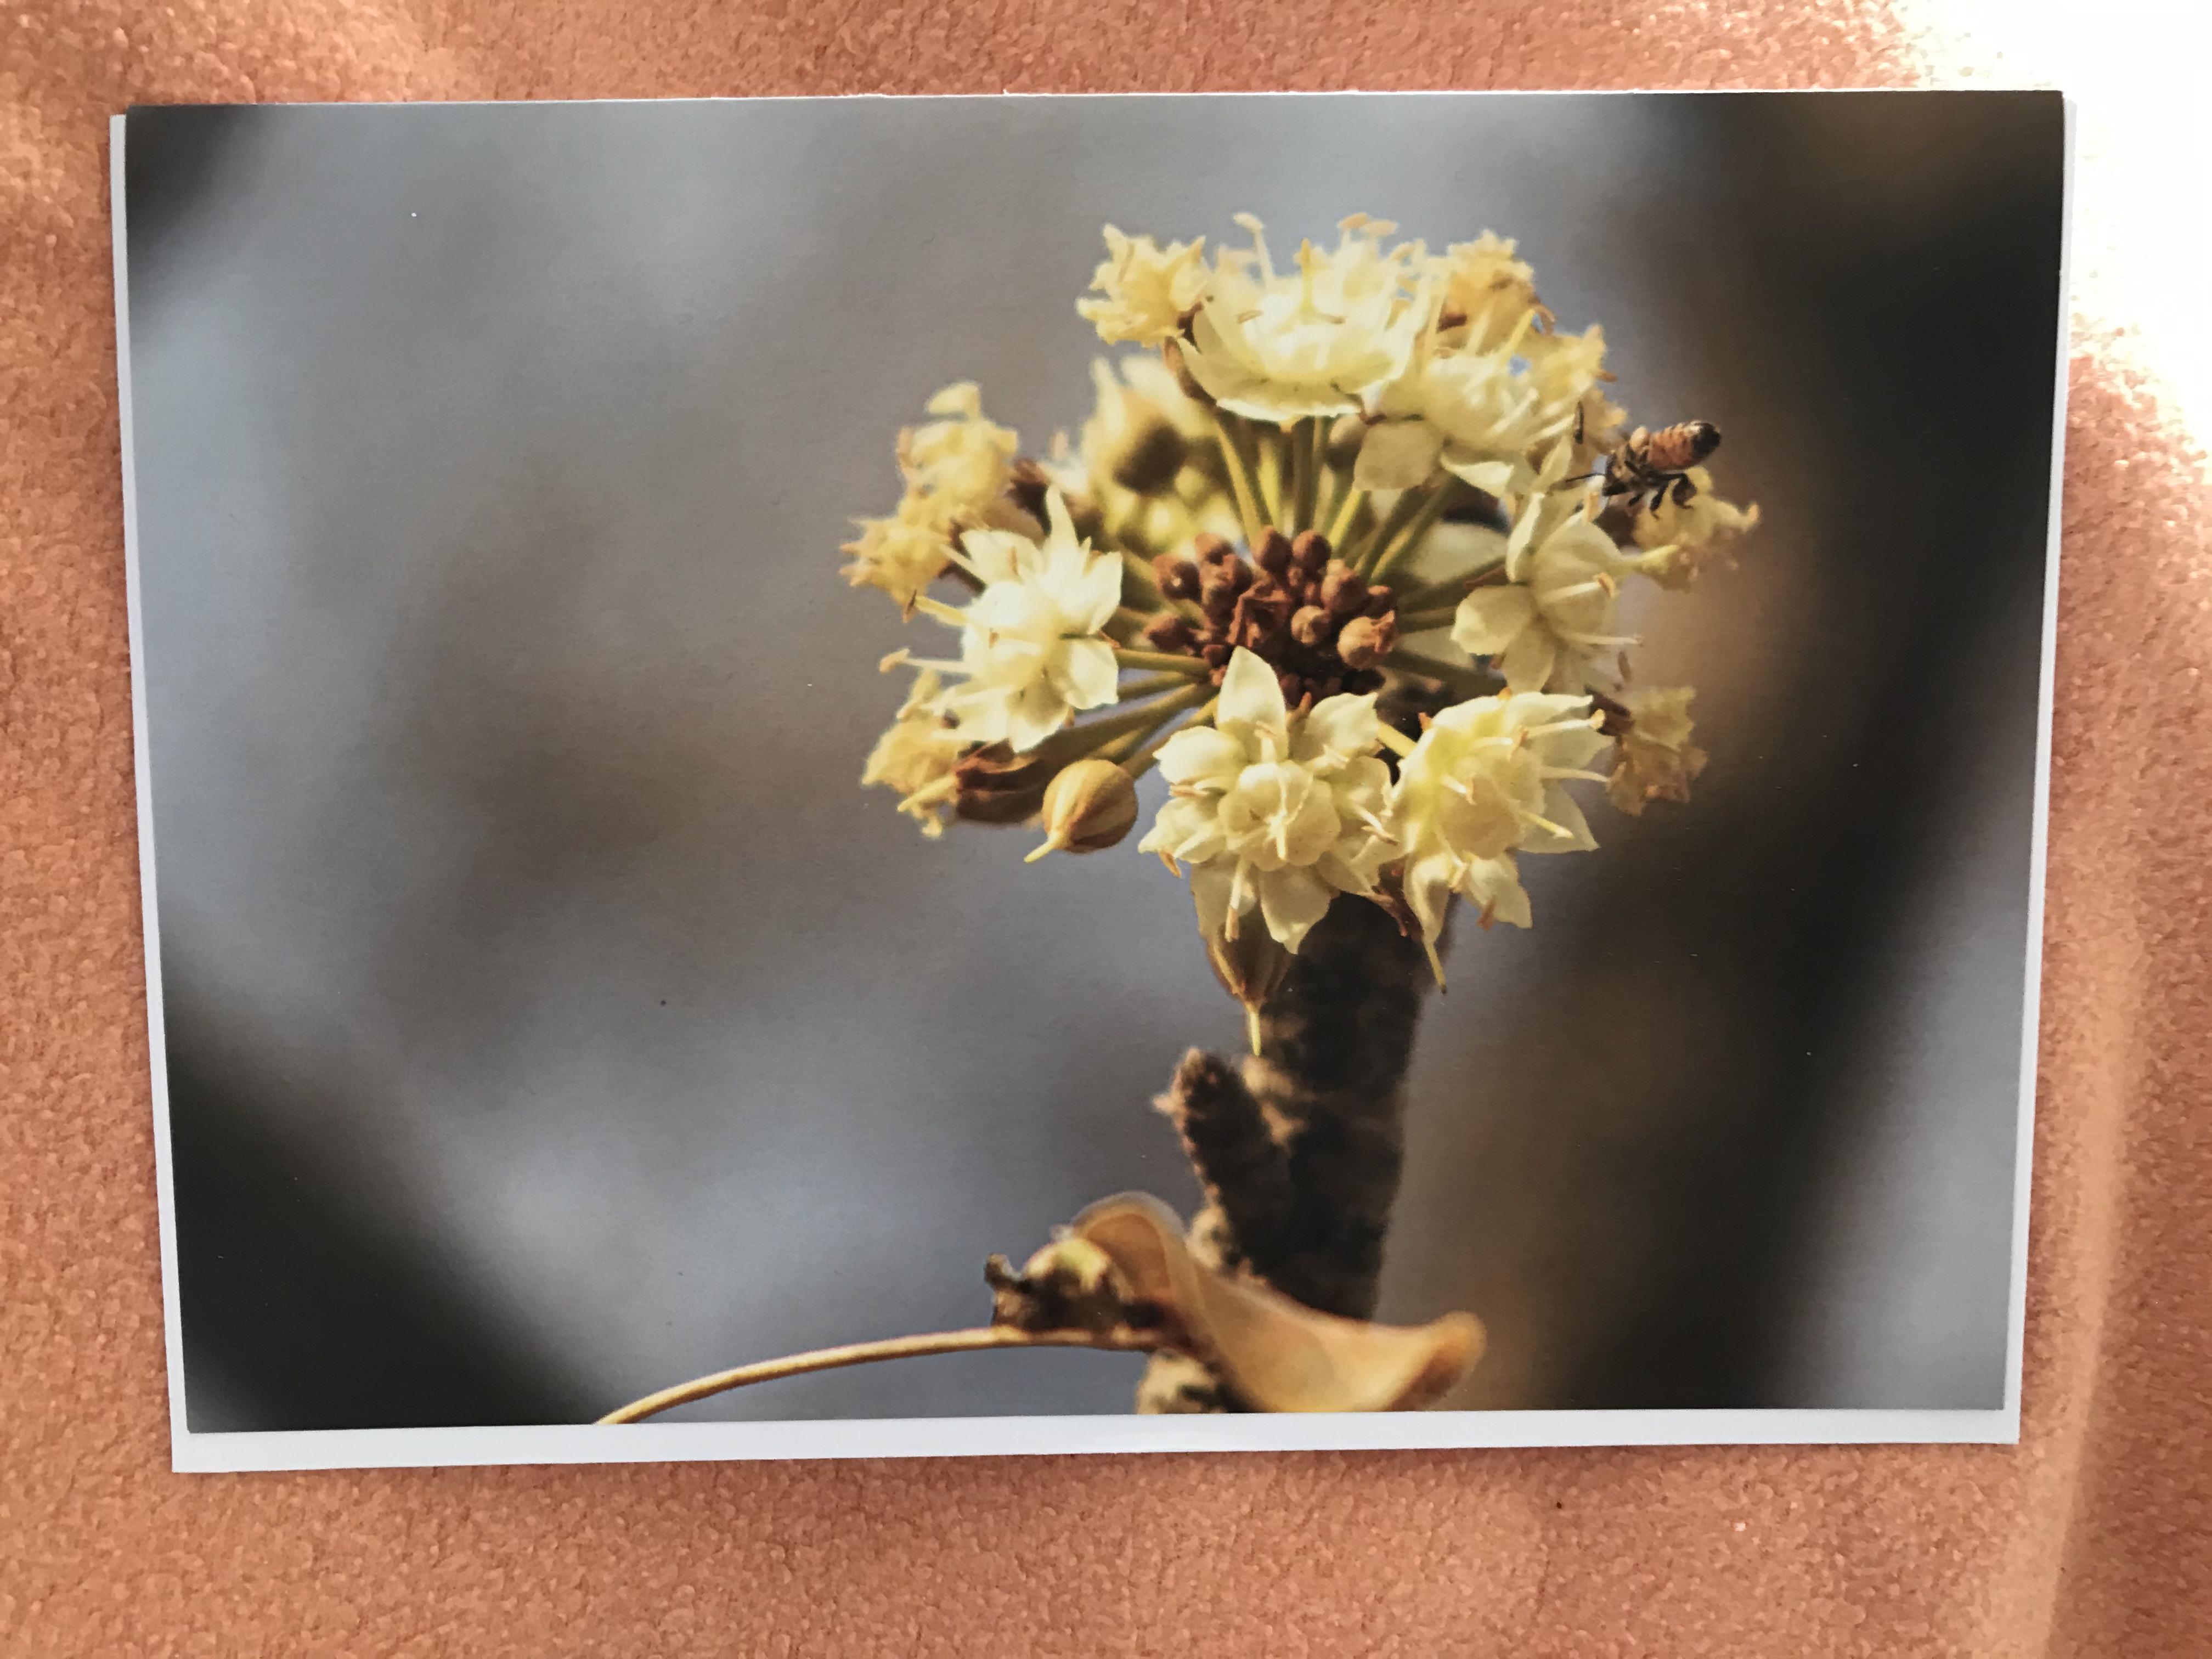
[969, 1436]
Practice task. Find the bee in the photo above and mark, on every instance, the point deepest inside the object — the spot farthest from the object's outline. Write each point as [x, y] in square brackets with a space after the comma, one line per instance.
[1658, 463]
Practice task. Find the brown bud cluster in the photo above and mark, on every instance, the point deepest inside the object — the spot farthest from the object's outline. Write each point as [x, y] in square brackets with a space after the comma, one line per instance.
[1310, 616]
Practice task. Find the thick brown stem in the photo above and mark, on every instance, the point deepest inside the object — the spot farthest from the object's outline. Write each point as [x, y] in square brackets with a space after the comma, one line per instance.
[1301, 1155]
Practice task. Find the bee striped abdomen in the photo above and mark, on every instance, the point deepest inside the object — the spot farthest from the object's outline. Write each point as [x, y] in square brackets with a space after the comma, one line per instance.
[1674, 448]
[1656, 462]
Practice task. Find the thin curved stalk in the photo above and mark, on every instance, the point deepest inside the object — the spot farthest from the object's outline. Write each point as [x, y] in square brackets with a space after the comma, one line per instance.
[973, 1340]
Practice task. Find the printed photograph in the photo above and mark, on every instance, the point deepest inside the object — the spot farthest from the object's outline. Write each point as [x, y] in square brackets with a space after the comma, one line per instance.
[909, 762]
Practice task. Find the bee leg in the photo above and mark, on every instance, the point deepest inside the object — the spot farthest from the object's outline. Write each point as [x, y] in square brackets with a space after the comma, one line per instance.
[1685, 489]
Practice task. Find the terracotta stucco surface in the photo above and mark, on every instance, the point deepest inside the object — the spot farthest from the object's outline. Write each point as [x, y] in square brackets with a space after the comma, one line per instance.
[2091, 1538]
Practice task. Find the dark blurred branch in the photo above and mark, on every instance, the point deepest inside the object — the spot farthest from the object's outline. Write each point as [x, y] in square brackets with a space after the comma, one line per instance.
[1301, 1155]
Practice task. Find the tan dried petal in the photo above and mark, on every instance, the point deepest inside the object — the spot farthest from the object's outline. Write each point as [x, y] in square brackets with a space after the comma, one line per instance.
[1278, 1354]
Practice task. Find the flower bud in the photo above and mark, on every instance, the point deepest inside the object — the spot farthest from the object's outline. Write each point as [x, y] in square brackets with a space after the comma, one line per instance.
[1217, 594]
[1210, 550]
[1311, 626]
[1262, 609]
[1342, 591]
[1366, 641]
[1169, 633]
[1251, 967]
[1272, 552]
[1177, 577]
[1089, 805]
[1311, 550]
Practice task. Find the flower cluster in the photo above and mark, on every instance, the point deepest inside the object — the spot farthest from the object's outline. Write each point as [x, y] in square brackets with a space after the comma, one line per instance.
[1346, 549]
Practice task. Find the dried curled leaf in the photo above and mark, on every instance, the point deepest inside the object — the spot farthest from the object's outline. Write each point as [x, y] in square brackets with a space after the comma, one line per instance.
[1279, 1355]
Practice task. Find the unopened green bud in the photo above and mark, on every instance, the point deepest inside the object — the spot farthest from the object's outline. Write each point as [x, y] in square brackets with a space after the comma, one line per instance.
[1089, 805]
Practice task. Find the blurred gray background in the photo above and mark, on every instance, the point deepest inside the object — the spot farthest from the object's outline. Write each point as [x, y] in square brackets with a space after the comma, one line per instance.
[551, 1017]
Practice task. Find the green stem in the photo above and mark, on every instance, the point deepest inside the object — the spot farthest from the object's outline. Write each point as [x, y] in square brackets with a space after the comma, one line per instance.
[1402, 511]
[1112, 729]
[1307, 440]
[1236, 458]
[1271, 471]
[1138, 761]
[1349, 502]
[1152, 685]
[1396, 552]
[1139, 583]
[1452, 589]
[1166, 661]
[1415, 621]
[1473, 681]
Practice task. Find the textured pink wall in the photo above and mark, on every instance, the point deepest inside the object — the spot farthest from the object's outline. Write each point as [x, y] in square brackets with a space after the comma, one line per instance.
[2092, 1538]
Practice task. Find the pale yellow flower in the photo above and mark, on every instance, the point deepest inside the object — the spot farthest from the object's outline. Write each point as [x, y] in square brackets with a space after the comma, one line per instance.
[958, 470]
[1473, 416]
[963, 456]
[1566, 373]
[1147, 289]
[1274, 811]
[1547, 626]
[1683, 539]
[900, 555]
[915, 755]
[1488, 293]
[1141, 421]
[1487, 782]
[1655, 759]
[1032, 648]
[1314, 341]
